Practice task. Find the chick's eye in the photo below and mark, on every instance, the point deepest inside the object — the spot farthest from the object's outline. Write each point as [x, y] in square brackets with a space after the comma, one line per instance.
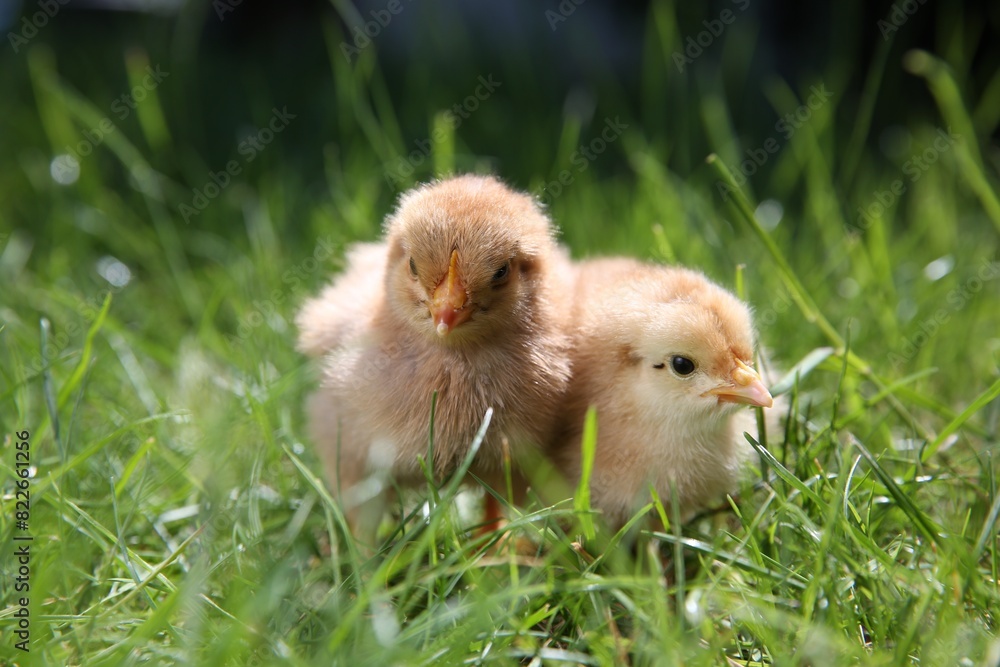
[501, 272]
[413, 267]
[682, 365]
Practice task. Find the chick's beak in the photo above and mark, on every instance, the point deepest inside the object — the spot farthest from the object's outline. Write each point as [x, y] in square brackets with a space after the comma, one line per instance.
[746, 387]
[448, 303]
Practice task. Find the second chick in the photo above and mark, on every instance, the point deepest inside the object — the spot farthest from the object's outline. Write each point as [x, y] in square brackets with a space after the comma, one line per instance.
[666, 357]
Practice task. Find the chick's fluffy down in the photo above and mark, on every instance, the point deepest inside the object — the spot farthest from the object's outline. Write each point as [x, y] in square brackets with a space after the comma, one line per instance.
[655, 426]
[383, 356]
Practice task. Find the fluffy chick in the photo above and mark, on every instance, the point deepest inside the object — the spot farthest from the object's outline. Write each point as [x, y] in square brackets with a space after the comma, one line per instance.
[665, 355]
[463, 297]
[344, 309]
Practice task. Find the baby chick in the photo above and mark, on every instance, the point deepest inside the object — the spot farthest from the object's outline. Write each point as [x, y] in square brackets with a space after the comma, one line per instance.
[463, 298]
[665, 356]
[344, 309]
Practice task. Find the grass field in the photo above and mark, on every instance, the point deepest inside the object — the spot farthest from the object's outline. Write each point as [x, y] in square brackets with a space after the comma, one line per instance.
[154, 251]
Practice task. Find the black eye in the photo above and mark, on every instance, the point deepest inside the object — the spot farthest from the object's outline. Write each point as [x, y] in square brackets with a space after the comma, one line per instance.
[501, 272]
[682, 365]
[413, 267]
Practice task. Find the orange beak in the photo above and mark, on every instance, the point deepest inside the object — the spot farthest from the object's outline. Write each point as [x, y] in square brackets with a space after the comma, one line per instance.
[448, 303]
[746, 387]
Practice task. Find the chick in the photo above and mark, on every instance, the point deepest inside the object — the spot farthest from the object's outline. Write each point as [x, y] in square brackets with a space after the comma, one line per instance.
[464, 297]
[665, 356]
[344, 309]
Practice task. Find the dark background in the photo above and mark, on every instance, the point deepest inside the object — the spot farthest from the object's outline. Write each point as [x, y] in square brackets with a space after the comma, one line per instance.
[229, 67]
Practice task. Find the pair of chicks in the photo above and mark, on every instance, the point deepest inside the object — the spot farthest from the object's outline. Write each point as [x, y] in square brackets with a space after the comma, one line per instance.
[470, 296]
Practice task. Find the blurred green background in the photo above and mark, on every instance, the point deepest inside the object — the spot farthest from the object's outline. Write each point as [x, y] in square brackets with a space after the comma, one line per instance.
[176, 178]
[366, 111]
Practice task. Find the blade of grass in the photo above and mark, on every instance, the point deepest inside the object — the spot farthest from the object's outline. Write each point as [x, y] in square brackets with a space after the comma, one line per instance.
[942, 84]
[85, 356]
[988, 532]
[804, 367]
[129, 565]
[430, 466]
[927, 528]
[47, 388]
[862, 122]
[328, 502]
[791, 578]
[680, 583]
[783, 472]
[981, 401]
[581, 500]
[443, 132]
[150, 112]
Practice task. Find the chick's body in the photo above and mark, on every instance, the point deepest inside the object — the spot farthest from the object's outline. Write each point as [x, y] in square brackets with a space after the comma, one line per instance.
[464, 304]
[664, 355]
[344, 310]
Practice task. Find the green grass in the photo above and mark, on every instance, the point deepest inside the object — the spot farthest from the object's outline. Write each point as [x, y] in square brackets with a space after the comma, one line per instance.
[177, 510]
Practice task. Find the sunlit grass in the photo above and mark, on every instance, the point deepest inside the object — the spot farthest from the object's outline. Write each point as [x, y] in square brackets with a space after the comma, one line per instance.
[178, 510]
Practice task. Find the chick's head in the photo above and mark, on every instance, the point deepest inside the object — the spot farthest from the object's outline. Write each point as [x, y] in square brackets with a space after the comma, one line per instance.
[465, 258]
[690, 344]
